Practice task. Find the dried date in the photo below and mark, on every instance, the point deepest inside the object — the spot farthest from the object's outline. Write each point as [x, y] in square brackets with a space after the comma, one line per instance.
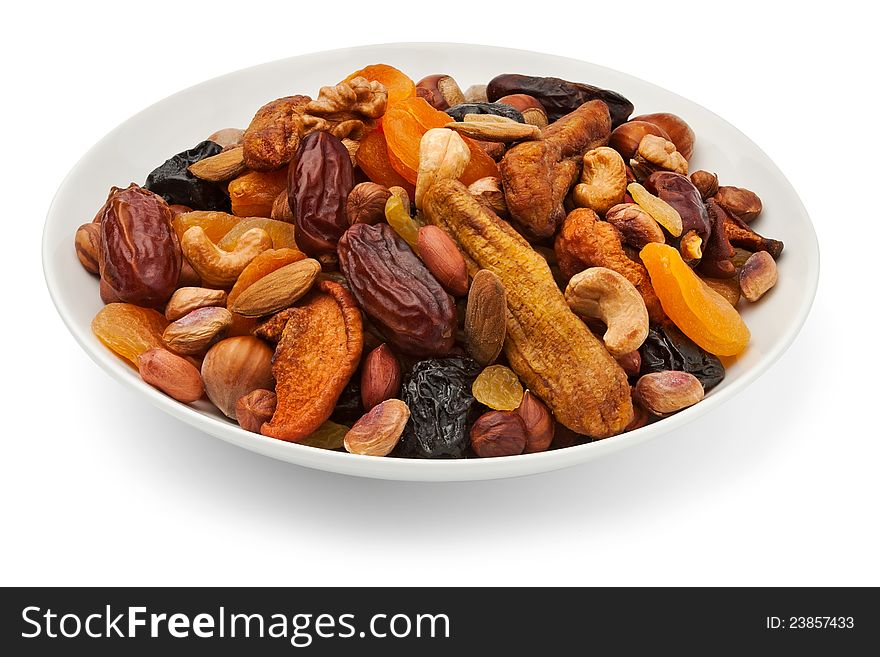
[559, 97]
[681, 194]
[438, 394]
[391, 284]
[319, 180]
[140, 256]
[173, 181]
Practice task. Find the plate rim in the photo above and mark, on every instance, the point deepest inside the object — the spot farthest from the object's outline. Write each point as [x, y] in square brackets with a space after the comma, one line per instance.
[411, 469]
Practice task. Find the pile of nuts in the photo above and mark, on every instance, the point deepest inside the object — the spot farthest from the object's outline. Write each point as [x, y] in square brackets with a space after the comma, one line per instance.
[409, 269]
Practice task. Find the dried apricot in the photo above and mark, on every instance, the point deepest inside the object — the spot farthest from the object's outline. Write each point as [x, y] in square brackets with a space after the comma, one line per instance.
[281, 232]
[263, 264]
[498, 387]
[398, 84]
[254, 193]
[373, 159]
[702, 314]
[129, 330]
[215, 224]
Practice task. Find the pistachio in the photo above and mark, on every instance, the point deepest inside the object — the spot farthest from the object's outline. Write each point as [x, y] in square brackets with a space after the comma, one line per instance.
[186, 299]
[193, 333]
[758, 275]
[662, 393]
[377, 432]
[636, 227]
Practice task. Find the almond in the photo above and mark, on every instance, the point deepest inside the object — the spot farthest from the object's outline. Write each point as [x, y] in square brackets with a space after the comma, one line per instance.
[172, 374]
[490, 129]
[380, 377]
[226, 165]
[186, 299]
[377, 432]
[485, 317]
[277, 290]
[443, 259]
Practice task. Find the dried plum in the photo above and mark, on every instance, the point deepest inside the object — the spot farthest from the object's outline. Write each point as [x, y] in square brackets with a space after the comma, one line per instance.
[667, 348]
[173, 181]
[438, 393]
[498, 109]
[349, 407]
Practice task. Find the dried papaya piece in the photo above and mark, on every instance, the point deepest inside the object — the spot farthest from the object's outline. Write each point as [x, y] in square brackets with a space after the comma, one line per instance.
[697, 310]
[553, 352]
[129, 330]
[263, 264]
[398, 84]
[318, 353]
[254, 193]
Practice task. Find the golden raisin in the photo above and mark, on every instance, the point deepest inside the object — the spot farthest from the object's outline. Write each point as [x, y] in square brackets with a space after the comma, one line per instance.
[129, 330]
[398, 218]
[329, 435]
[498, 387]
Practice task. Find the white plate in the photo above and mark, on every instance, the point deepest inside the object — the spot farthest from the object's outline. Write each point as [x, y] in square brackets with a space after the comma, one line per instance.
[134, 148]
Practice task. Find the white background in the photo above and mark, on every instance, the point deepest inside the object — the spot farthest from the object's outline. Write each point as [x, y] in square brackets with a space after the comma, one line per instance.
[779, 486]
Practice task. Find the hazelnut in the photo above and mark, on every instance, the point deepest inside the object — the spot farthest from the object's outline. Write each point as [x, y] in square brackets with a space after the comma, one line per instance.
[234, 367]
[742, 203]
[498, 433]
[706, 183]
[668, 391]
[530, 107]
[758, 275]
[88, 246]
[255, 408]
[172, 374]
[380, 377]
[476, 93]
[625, 138]
[379, 430]
[636, 227]
[538, 422]
[678, 131]
[366, 203]
[441, 91]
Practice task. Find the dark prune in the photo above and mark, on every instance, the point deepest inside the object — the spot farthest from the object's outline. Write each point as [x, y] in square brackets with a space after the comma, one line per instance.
[498, 109]
[667, 348]
[173, 181]
[438, 393]
[559, 97]
[349, 407]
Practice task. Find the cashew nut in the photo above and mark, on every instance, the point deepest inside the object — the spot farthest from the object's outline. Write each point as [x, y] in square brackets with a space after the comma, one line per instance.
[606, 295]
[603, 180]
[443, 154]
[219, 268]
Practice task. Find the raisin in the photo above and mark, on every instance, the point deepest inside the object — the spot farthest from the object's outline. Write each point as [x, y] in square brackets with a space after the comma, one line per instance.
[667, 348]
[458, 112]
[438, 393]
[349, 407]
[498, 387]
[129, 330]
[173, 181]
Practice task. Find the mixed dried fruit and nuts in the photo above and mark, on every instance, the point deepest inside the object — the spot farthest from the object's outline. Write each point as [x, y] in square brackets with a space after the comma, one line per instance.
[408, 269]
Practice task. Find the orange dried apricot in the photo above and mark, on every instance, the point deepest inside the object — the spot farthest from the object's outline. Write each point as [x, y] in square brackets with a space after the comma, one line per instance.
[129, 330]
[215, 224]
[281, 232]
[253, 193]
[406, 122]
[398, 84]
[702, 314]
[373, 159]
[265, 263]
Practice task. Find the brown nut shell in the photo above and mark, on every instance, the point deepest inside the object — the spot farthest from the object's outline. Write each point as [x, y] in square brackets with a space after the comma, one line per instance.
[234, 367]
[538, 422]
[255, 408]
[680, 133]
[498, 433]
[625, 138]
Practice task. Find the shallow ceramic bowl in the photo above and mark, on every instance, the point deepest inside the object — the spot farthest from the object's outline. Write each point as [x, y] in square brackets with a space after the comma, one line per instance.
[134, 148]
